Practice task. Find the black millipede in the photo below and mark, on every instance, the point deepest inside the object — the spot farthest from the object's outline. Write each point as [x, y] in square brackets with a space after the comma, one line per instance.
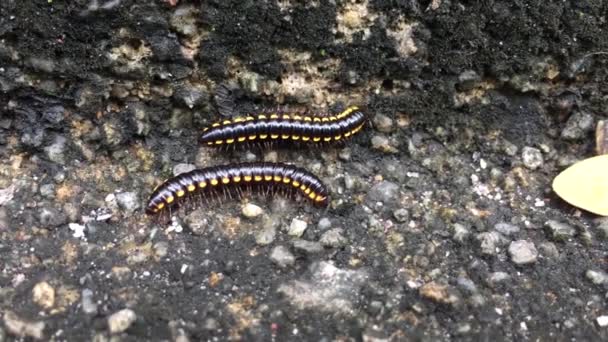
[198, 185]
[284, 127]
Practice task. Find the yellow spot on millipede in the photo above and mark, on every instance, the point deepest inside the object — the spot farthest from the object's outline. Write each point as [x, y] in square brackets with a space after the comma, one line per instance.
[160, 206]
[303, 187]
[286, 180]
[202, 185]
[180, 193]
[315, 139]
[258, 178]
[274, 116]
[324, 119]
[252, 137]
[297, 117]
[295, 137]
[219, 142]
[337, 137]
[191, 187]
[296, 184]
[316, 119]
[239, 119]
[274, 136]
[286, 117]
[210, 143]
[225, 180]
[277, 178]
[248, 178]
[327, 139]
[236, 179]
[261, 117]
[284, 136]
[305, 138]
[307, 118]
[241, 139]
[320, 198]
[312, 195]
[263, 136]
[215, 124]
[214, 182]
[307, 191]
[250, 118]
[268, 178]
[226, 122]
[229, 141]
[169, 199]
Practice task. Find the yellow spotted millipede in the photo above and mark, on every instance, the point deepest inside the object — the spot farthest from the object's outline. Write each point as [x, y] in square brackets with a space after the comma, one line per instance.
[197, 185]
[283, 128]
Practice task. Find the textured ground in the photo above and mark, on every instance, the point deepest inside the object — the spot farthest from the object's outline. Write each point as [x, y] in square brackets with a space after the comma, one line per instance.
[442, 224]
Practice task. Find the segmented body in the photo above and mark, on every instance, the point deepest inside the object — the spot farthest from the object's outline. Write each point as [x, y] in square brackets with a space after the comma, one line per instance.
[293, 128]
[218, 180]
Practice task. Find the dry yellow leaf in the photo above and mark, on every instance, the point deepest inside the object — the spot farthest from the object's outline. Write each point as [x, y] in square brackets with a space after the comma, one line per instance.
[585, 185]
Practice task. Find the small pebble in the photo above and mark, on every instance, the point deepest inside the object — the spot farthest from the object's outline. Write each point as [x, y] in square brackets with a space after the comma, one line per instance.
[498, 277]
[325, 223]
[44, 295]
[523, 252]
[51, 217]
[385, 192]
[128, 201]
[121, 320]
[401, 215]
[333, 238]
[183, 168]
[461, 233]
[197, 222]
[490, 241]
[383, 123]
[382, 143]
[506, 228]
[89, 306]
[310, 247]
[266, 236]
[251, 210]
[532, 157]
[602, 321]
[438, 293]
[548, 250]
[23, 328]
[281, 256]
[577, 126]
[297, 227]
[559, 231]
[56, 151]
[598, 277]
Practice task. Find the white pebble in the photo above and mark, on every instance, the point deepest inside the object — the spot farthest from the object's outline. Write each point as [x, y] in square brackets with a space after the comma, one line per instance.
[297, 227]
[602, 321]
[251, 210]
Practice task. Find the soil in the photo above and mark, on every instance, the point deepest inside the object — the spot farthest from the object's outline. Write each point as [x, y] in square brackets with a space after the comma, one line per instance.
[442, 225]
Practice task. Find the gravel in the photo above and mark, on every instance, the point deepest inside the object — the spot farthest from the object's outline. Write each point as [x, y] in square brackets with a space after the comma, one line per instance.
[251, 210]
[297, 227]
[333, 238]
[506, 228]
[523, 252]
[128, 201]
[309, 247]
[559, 231]
[578, 125]
[532, 157]
[386, 192]
[121, 320]
[281, 256]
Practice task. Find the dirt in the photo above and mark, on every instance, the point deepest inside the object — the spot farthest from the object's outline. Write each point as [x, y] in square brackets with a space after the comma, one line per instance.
[101, 99]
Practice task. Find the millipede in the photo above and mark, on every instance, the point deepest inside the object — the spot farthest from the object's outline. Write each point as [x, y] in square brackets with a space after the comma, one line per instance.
[284, 128]
[202, 184]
